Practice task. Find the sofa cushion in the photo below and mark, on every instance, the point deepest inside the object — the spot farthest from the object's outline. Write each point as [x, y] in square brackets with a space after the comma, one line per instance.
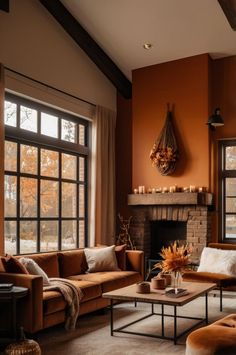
[111, 280]
[13, 265]
[218, 261]
[90, 290]
[72, 262]
[53, 301]
[101, 259]
[48, 262]
[34, 269]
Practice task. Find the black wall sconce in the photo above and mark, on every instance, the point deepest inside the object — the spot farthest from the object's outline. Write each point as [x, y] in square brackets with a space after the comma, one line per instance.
[215, 120]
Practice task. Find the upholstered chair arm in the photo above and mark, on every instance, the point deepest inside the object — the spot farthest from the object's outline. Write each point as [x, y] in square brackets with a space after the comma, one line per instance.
[29, 308]
[135, 261]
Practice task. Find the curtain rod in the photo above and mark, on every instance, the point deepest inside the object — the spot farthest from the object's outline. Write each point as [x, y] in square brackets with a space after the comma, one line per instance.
[49, 86]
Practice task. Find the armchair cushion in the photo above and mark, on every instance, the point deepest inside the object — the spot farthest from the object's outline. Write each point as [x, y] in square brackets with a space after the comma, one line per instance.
[218, 261]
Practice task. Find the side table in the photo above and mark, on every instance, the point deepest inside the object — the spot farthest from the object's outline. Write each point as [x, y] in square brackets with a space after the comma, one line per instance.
[11, 297]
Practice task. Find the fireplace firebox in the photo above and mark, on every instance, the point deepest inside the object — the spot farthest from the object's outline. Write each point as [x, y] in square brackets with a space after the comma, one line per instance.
[164, 233]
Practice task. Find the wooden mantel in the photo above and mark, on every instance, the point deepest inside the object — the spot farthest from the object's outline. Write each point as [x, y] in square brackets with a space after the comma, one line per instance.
[171, 198]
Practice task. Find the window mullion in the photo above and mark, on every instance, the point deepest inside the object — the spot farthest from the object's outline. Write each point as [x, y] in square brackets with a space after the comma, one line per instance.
[39, 200]
[59, 206]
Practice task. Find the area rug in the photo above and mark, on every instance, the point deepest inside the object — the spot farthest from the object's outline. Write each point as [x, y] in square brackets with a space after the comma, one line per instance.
[92, 335]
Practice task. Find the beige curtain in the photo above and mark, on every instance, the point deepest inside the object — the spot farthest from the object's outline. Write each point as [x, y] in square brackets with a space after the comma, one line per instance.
[1, 159]
[103, 177]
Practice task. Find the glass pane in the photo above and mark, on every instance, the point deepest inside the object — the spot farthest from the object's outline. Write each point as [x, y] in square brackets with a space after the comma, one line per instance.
[81, 201]
[68, 131]
[68, 234]
[10, 237]
[49, 198]
[49, 163]
[230, 226]
[28, 197]
[81, 234]
[10, 113]
[28, 159]
[81, 168]
[28, 237]
[48, 235]
[230, 187]
[231, 205]
[10, 156]
[10, 196]
[81, 134]
[69, 166]
[230, 158]
[68, 200]
[28, 119]
[49, 125]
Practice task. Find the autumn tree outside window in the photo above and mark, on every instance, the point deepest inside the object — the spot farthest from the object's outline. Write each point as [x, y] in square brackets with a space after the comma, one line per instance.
[46, 159]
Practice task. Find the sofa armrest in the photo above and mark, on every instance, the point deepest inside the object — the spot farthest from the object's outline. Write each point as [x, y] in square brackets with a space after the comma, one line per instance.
[30, 312]
[135, 261]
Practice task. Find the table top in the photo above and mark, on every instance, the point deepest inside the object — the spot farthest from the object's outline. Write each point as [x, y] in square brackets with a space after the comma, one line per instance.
[194, 289]
[15, 292]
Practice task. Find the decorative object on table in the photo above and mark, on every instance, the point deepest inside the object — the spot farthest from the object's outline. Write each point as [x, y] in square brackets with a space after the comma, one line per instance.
[167, 278]
[23, 346]
[164, 153]
[176, 258]
[158, 283]
[175, 294]
[143, 287]
[124, 236]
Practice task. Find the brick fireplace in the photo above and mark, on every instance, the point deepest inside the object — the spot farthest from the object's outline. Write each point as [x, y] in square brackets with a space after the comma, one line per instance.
[191, 208]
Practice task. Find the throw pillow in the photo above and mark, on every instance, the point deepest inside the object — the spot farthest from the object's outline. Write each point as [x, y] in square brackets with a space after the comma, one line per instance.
[218, 261]
[121, 256]
[34, 269]
[101, 259]
[13, 265]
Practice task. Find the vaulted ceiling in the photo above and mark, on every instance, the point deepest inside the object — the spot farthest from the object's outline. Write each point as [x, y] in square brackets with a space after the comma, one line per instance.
[114, 33]
[175, 28]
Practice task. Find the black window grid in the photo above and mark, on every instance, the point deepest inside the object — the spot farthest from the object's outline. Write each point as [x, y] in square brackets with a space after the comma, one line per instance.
[21, 136]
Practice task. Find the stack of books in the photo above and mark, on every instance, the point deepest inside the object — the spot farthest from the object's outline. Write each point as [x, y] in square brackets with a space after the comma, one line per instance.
[6, 287]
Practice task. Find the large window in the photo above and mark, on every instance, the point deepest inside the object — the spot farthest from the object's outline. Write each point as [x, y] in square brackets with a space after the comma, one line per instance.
[227, 190]
[46, 155]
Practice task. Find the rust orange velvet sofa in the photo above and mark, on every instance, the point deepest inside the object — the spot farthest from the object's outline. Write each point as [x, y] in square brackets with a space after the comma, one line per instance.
[40, 309]
[218, 338]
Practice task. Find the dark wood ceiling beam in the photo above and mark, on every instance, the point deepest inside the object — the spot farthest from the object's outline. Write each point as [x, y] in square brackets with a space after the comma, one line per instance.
[90, 47]
[4, 5]
[229, 9]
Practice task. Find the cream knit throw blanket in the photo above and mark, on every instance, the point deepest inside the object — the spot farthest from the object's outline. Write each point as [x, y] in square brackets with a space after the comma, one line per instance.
[72, 296]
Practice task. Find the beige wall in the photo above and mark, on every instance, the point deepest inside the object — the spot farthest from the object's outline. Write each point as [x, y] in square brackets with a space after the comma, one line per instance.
[33, 43]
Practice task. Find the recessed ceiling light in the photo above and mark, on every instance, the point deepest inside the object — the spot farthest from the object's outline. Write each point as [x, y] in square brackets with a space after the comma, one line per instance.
[147, 46]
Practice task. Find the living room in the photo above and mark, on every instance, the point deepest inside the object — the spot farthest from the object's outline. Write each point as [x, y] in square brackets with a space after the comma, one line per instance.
[41, 62]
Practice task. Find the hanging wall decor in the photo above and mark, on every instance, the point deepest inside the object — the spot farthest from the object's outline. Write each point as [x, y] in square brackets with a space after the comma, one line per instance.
[164, 153]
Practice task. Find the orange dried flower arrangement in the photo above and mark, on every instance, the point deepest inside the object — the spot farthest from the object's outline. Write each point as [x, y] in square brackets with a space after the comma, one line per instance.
[175, 257]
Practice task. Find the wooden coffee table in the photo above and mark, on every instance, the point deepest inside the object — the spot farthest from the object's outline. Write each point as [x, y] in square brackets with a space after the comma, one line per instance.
[129, 293]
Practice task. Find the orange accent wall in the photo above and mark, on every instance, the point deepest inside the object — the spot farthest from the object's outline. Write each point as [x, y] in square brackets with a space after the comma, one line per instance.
[223, 95]
[184, 83]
